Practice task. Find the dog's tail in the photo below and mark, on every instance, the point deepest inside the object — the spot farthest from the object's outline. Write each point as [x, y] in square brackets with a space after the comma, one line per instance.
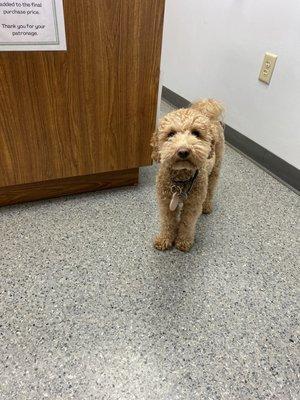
[213, 109]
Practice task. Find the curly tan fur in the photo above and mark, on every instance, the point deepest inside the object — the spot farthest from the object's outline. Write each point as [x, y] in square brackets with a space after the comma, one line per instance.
[197, 130]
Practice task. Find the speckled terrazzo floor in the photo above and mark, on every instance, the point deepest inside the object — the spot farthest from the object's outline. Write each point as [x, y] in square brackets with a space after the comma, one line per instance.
[88, 310]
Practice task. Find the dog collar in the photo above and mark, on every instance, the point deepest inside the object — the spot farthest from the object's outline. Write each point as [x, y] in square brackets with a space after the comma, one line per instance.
[184, 182]
[179, 195]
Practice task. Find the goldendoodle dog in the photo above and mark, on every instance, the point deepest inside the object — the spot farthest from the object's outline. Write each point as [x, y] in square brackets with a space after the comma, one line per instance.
[189, 145]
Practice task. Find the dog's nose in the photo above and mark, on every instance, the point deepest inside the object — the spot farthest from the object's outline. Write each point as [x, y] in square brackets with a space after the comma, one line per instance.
[183, 153]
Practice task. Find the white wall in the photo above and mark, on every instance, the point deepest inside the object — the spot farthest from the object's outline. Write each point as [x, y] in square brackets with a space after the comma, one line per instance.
[214, 48]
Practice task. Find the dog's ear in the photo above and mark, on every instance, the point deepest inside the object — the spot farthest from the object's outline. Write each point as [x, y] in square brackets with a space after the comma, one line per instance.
[214, 129]
[212, 148]
[154, 143]
[211, 108]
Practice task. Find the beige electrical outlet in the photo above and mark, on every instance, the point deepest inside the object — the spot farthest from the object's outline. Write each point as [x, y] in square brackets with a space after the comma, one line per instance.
[267, 67]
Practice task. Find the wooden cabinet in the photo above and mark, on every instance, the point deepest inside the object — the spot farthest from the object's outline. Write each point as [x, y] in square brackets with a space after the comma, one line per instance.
[82, 119]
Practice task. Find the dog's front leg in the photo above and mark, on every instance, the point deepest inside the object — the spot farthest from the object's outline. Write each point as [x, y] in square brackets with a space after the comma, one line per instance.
[187, 226]
[168, 226]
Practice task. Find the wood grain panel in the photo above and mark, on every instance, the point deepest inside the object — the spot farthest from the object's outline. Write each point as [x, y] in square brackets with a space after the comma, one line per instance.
[88, 110]
[60, 187]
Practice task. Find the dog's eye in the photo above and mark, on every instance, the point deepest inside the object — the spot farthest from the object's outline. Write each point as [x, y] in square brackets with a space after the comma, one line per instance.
[171, 133]
[196, 133]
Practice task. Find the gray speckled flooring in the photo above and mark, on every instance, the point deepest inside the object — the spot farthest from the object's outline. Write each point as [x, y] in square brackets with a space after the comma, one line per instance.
[89, 310]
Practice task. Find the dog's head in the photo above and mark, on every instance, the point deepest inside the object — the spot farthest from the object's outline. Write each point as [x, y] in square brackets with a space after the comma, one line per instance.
[185, 138]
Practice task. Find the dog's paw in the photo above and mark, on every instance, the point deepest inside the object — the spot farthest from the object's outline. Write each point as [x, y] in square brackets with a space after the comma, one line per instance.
[163, 243]
[183, 244]
[207, 208]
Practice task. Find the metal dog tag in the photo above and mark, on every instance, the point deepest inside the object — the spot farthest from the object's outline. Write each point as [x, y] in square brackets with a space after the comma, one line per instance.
[174, 201]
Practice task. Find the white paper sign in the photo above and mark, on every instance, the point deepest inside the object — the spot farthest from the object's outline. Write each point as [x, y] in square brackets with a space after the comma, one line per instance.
[32, 25]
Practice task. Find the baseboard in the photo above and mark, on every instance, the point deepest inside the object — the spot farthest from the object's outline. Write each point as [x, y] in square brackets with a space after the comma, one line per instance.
[66, 186]
[276, 166]
[174, 99]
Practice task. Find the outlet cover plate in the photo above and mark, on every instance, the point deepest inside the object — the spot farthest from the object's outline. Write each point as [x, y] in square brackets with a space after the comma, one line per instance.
[267, 67]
